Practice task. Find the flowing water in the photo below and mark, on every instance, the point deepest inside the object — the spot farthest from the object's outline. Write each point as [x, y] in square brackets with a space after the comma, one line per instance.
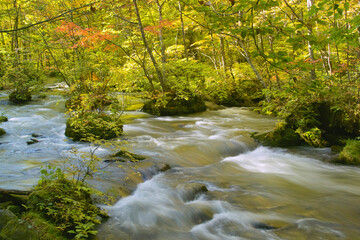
[254, 192]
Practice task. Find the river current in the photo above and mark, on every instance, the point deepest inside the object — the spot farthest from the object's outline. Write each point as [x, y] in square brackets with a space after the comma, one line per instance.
[254, 192]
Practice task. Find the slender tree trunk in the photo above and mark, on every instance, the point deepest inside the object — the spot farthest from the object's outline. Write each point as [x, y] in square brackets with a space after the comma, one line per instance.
[223, 57]
[141, 28]
[183, 31]
[310, 3]
[246, 55]
[329, 59]
[161, 40]
[15, 37]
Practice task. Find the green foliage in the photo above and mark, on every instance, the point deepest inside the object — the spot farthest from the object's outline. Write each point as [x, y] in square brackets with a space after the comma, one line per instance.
[169, 104]
[65, 203]
[21, 80]
[42, 228]
[350, 154]
[282, 136]
[93, 126]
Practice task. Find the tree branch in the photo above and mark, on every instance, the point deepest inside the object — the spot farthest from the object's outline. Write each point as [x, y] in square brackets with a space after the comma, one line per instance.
[48, 20]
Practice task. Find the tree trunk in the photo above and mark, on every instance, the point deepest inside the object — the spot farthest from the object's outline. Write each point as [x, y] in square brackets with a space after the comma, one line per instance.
[162, 46]
[246, 55]
[310, 3]
[183, 31]
[141, 28]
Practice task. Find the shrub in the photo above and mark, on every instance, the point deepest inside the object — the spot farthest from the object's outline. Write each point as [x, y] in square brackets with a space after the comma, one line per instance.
[65, 203]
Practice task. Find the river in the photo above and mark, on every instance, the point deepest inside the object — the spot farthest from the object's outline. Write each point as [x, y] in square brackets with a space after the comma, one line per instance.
[254, 192]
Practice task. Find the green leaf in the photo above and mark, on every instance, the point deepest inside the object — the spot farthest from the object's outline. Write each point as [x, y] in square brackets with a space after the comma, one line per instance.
[346, 6]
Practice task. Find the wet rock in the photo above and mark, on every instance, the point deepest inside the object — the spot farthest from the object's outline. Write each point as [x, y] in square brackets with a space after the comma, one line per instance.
[32, 141]
[35, 135]
[262, 226]
[163, 167]
[128, 156]
[3, 119]
[350, 155]
[2, 132]
[191, 190]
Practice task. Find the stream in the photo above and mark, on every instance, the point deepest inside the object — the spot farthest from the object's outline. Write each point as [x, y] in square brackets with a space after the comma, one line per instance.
[253, 192]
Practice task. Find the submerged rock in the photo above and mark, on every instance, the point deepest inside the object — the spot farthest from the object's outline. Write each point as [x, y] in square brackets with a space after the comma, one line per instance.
[262, 226]
[192, 190]
[32, 141]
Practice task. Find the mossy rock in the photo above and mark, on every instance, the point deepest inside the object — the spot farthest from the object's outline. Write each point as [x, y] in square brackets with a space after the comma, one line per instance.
[93, 127]
[20, 97]
[175, 106]
[65, 203]
[350, 155]
[6, 216]
[282, 136]
[128, 156]
[313, 137]
[3, 119]
[2, 132]
[42, 229]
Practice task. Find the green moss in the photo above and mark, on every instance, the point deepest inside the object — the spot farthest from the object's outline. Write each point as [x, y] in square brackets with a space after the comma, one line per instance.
[282, 136]
[2, 132]
[313, 137]
[172, 106]
[42, 229]
[93, 126]
[20, 97]
[66, 204]
[350, 155]
[3, 119]
[126, 155]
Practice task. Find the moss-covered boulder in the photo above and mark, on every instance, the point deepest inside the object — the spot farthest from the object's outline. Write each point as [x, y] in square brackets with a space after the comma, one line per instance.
[68, 205]
[128, 156]
[172, 106]
[2, 132]
[350, 155]
[282, 136]
[3, 119]
[20, 96]
[93, 126]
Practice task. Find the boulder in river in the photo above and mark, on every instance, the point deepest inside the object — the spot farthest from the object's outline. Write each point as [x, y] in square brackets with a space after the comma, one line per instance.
[94, 126]
[282, 136]
[350, 155]
[3, 119]
[2, 132]
[20, 97]
[175, 106]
